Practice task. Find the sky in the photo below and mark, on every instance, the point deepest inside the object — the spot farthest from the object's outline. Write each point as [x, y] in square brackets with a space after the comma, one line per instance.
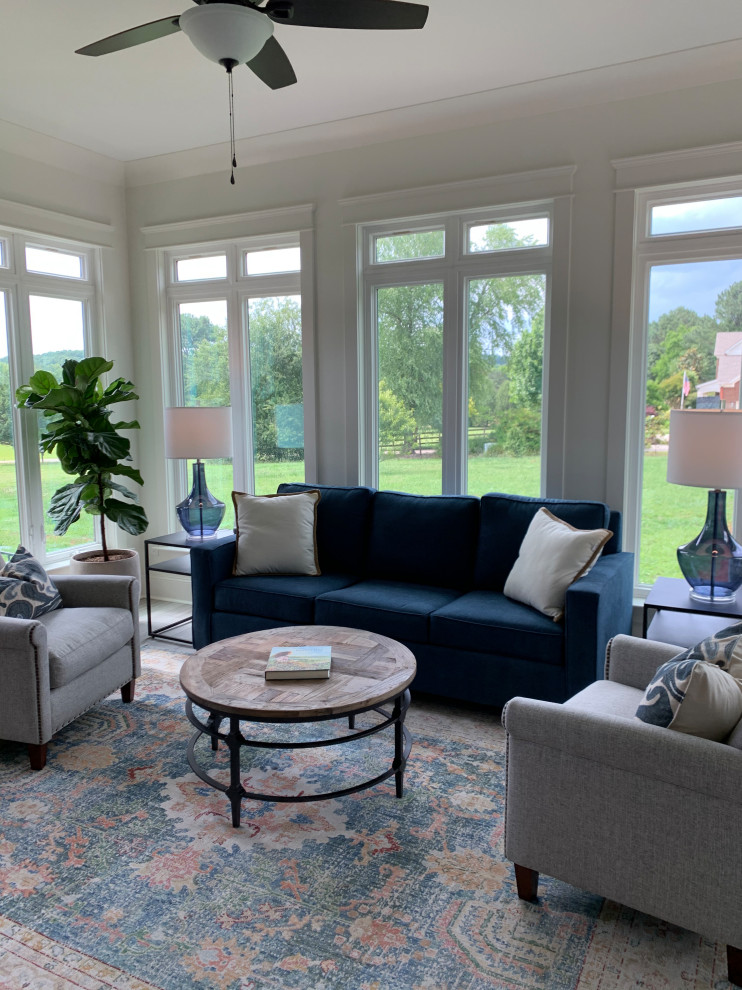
[695, 285]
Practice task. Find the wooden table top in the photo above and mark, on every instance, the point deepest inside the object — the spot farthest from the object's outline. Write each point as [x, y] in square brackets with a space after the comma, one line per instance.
[229, 676]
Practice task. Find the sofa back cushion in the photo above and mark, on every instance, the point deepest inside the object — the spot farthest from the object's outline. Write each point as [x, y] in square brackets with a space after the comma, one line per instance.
[424, 539]
[343, 515]
[504, 521]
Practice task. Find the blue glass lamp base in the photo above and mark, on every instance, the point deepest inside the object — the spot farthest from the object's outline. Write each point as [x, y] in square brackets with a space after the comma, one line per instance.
[200, 513]
[712, 563]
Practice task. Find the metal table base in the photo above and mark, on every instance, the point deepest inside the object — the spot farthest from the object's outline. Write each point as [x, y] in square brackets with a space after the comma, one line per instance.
[235, 740]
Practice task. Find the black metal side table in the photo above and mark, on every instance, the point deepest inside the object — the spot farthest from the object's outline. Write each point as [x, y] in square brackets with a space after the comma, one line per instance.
[179, 563]
[673, 595]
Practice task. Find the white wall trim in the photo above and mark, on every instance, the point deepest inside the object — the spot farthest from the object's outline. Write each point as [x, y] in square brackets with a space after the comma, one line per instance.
[507, 189]
[24, 219]
[229, 227]
[695, 165]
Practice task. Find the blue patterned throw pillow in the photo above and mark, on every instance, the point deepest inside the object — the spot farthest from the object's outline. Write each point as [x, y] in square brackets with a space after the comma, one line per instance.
[26, 590]
[723, 648]
[692, 696]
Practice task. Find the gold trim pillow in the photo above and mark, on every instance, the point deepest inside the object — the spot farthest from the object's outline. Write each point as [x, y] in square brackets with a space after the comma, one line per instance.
[552, 556]
[276, 534]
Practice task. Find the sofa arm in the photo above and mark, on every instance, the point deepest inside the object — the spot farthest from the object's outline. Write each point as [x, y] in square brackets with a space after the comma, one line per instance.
[615, 743]
[633, 661]
[209, 565]
[597, 607]
[25, 707]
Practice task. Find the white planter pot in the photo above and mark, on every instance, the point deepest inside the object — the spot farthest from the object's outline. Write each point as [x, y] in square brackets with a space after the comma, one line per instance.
[122, 562]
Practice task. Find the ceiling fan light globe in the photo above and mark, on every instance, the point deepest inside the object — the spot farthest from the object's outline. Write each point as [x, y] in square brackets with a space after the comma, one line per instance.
[226, 31]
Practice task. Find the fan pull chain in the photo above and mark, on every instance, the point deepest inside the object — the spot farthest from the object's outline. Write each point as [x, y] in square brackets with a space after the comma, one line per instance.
[232, 148]
[229, 64]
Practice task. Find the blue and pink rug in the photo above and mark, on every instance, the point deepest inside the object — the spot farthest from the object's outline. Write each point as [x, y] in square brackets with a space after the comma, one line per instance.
[119, 869]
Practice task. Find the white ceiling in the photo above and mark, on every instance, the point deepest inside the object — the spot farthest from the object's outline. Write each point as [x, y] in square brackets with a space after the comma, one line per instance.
[165, 97]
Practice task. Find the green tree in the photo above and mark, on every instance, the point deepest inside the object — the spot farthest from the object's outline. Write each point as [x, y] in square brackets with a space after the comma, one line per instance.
[526, 366]
[395, 419]
[275, 370]
[728, 308]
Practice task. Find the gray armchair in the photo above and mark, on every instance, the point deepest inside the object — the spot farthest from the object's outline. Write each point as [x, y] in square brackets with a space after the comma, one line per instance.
[54, 668]
[643, 815]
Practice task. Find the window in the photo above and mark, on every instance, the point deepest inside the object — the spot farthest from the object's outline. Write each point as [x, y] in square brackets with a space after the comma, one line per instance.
[237, 340]
[47, 293]
[454, 316]
[688, 354]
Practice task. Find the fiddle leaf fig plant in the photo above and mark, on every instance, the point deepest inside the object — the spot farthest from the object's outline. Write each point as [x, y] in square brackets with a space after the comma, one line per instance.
[77, 425]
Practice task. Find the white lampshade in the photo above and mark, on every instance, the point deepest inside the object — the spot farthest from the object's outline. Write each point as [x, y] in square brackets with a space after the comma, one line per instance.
[705, 448]
[226, 31]
[198, 431]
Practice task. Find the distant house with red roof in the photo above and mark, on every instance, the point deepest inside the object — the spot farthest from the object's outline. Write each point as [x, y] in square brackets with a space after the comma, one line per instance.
[725, 386]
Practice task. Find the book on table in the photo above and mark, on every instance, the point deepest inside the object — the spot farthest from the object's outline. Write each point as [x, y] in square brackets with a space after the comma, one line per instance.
[298, 663]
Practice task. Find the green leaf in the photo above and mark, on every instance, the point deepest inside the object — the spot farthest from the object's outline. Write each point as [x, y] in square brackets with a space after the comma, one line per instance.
[64, 507]
[114, 486]
[43, 382]
[89, 369]
[64, 398]
[133, 425]
[131, 518]
[128, 472]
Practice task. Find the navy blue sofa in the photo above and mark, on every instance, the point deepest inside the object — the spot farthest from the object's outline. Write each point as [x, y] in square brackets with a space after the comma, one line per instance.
[429, 571]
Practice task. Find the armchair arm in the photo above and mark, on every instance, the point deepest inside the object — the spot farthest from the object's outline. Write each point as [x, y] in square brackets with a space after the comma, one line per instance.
[597, 607]
[630, 745]
[209, 564]
[86, 591]
[25, 708]
[633, 661]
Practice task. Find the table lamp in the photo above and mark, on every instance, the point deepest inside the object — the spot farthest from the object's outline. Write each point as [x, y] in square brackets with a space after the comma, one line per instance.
[199, 432]
[706, 451]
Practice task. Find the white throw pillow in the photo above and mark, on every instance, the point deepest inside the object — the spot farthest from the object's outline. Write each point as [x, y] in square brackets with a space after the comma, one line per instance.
[552, 555]
[276, 533]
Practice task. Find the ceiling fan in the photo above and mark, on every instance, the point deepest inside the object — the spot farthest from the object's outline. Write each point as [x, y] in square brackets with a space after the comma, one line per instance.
[238, 31]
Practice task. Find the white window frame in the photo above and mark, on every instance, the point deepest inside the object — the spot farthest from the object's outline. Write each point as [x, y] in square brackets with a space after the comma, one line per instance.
[454, 270]
[650, 250]
[18, 284]
[237, 289]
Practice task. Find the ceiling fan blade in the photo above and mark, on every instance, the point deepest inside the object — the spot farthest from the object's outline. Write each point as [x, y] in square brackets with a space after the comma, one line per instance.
[272, 65]
[134, 36]
[366, 14]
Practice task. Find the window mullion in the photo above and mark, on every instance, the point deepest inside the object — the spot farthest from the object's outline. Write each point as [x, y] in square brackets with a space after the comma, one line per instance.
[454, 384]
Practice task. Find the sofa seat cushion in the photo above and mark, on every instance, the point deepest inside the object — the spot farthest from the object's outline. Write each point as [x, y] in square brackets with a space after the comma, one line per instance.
[81, 638]
[273, 596]
[492, 623]
[391, 608]
[607, 698]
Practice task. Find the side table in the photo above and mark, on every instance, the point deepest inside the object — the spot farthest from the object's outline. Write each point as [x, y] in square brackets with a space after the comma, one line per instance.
[702, 618]
[177, 564]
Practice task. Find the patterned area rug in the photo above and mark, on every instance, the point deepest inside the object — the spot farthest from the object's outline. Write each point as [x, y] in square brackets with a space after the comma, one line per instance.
[119, 869]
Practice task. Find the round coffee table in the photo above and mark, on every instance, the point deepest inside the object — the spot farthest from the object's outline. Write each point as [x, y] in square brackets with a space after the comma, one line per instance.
[227, 679]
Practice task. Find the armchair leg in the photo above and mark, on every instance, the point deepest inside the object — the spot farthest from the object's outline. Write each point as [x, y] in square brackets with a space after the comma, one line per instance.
[526, 881]
[127, 691]
[37, 756]
[734, 965]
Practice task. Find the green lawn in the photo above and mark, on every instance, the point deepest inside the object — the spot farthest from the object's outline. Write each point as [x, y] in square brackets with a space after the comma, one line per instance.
[673, 514]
